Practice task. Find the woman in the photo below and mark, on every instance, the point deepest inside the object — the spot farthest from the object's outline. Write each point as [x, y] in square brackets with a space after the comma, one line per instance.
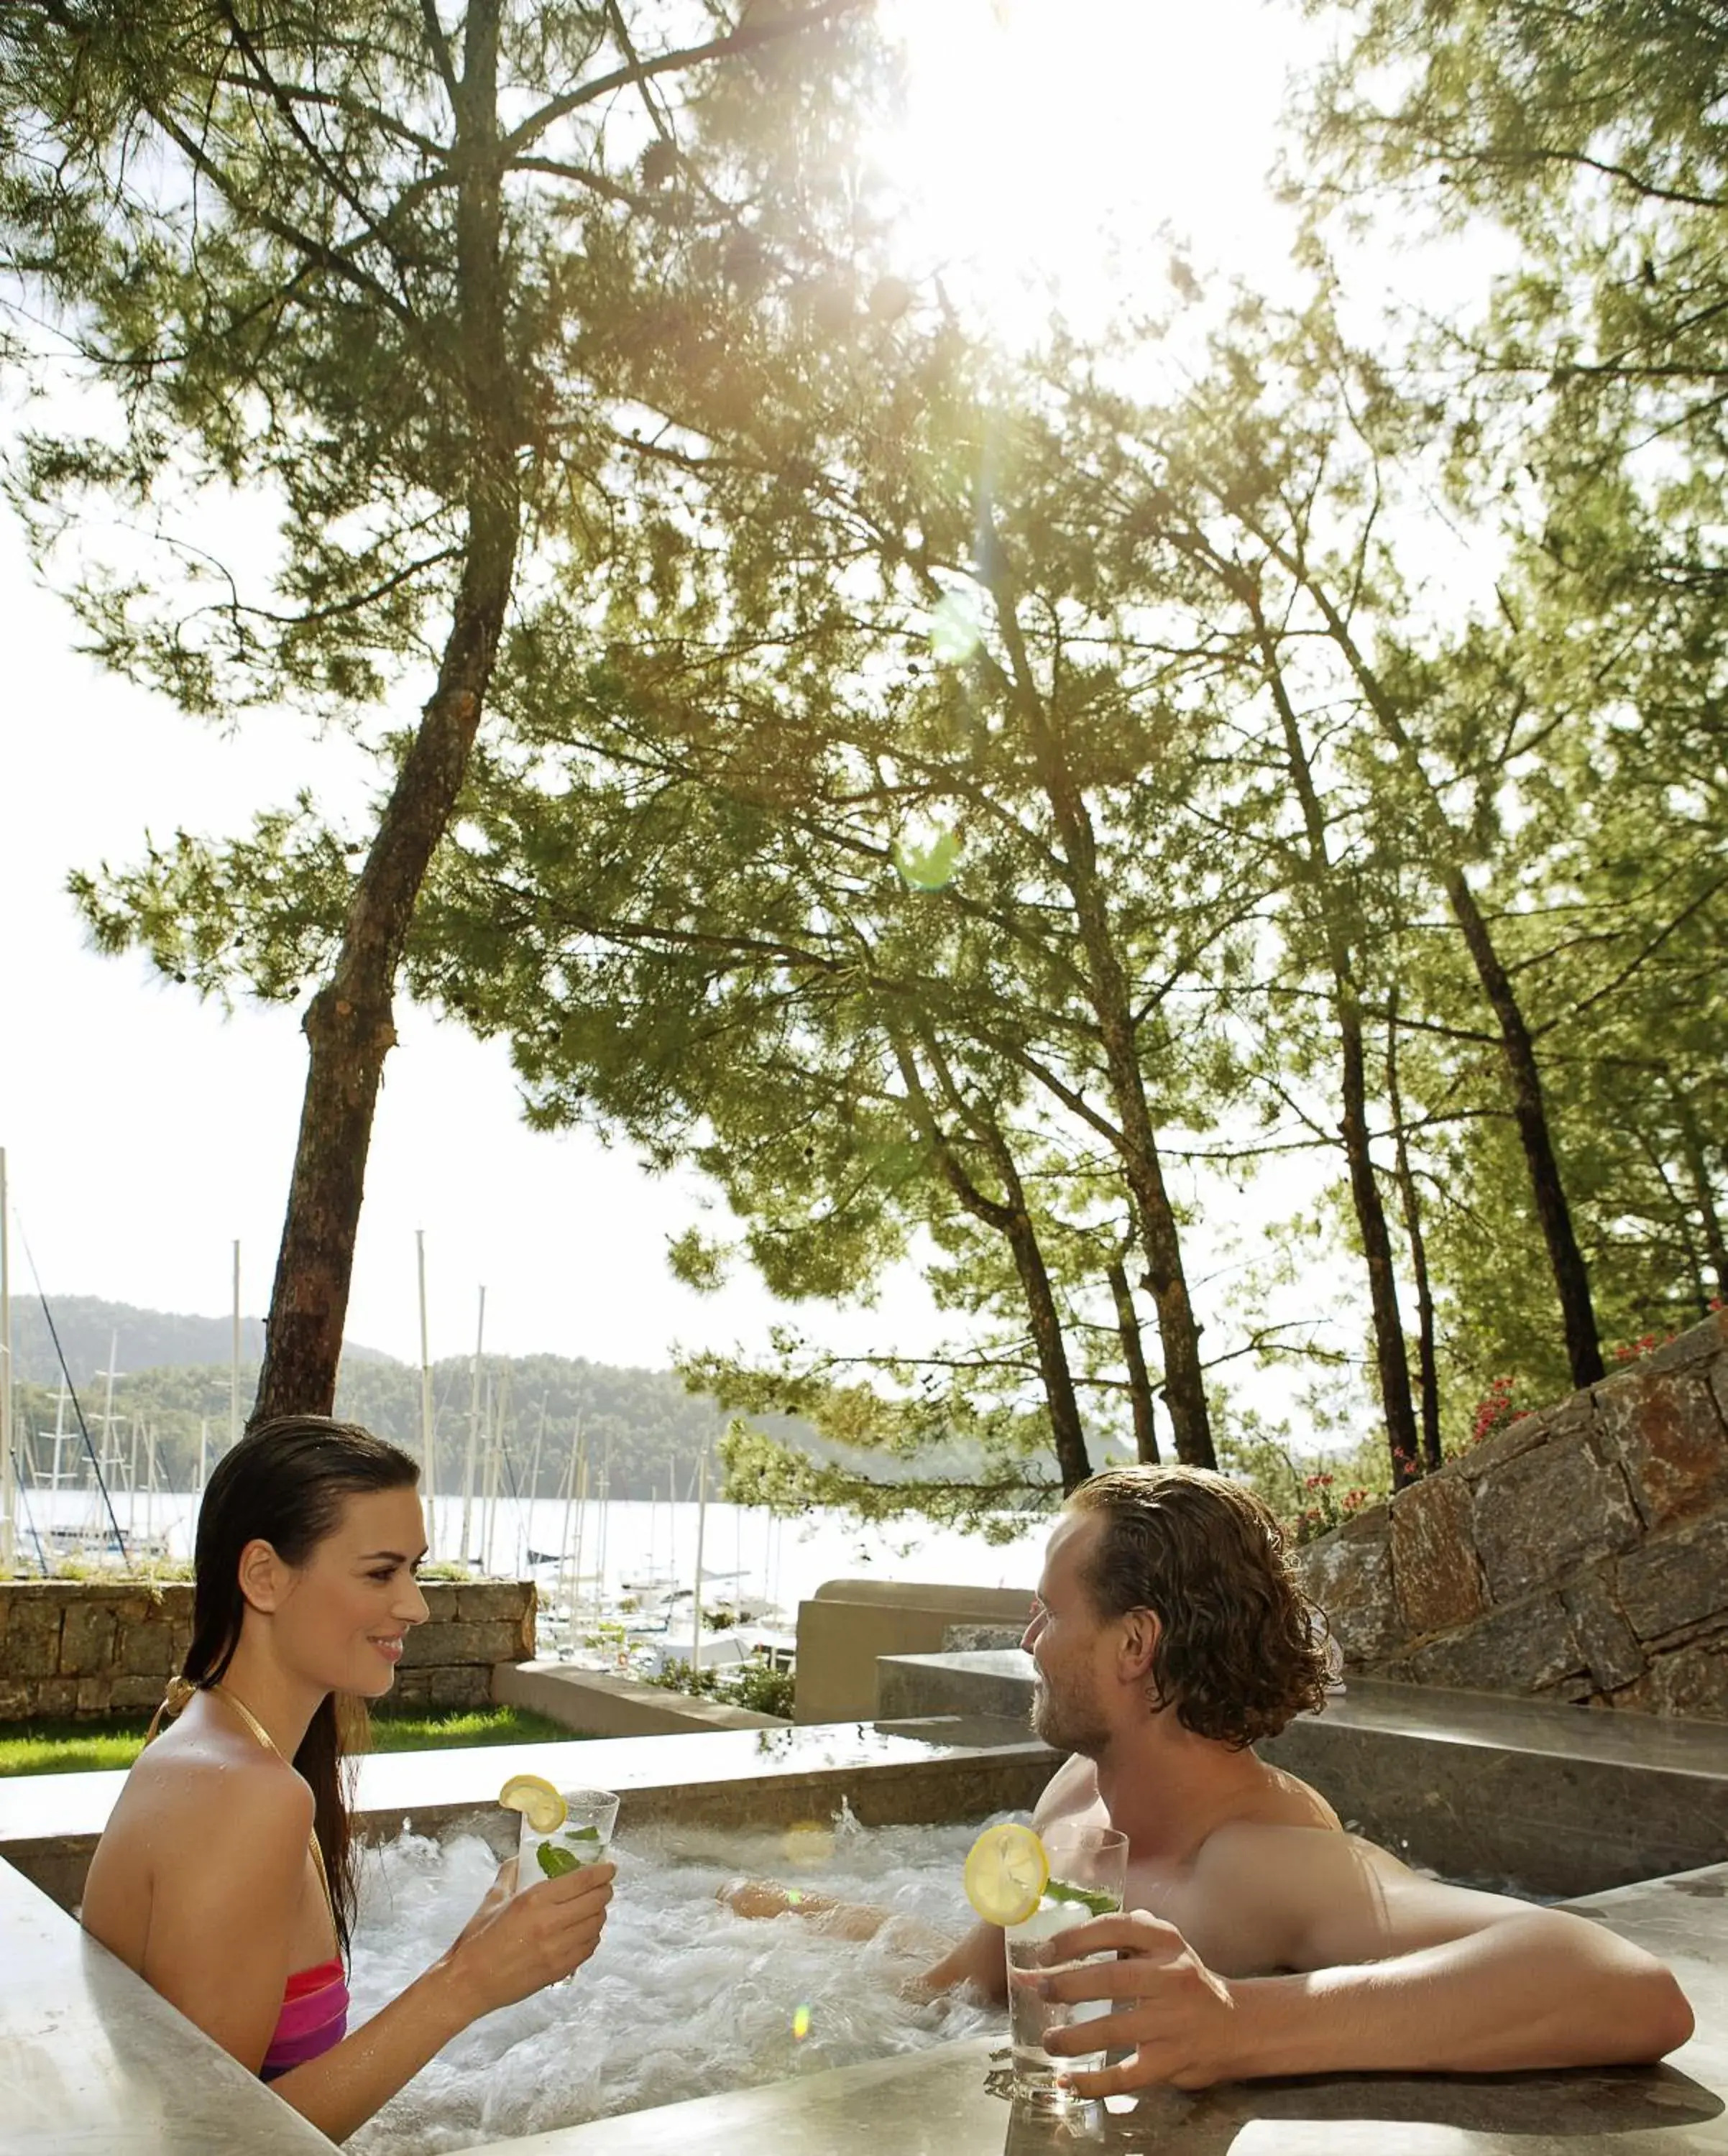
[226, 1876]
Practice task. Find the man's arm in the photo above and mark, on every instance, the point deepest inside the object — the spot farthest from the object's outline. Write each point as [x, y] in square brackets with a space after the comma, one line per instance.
[979, 1959]
[1392, 1973]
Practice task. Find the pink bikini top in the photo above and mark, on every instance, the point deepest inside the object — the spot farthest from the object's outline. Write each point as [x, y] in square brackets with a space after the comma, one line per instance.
[314, 2016]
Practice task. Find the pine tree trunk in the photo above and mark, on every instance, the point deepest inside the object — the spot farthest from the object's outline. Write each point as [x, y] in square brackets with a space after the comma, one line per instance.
[349, 1024]
[1703, 1194]
[1012, 1218]
[1134, 1358]
[1530, 1111]
[1166, 1282]
[1427, 1362]
[1392, 1359]
[1066, 1433]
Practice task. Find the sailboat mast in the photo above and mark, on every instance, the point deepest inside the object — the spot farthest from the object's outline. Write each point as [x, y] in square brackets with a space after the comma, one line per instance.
[468, 1464]
[108, 1459]
[701, 1521]
[233, 1359]
[426, 1440]
[578, 1497]
[8, 1493]
[605, 1528]
[526, 1541]
[494, 1445]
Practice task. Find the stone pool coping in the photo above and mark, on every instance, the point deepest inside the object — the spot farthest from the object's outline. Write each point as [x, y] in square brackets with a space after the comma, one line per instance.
[93, 2061]
[938, 2102]
[1553, 1800]
[943, 1767]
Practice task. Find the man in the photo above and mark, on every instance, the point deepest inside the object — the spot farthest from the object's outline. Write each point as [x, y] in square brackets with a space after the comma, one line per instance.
[1260, 1938]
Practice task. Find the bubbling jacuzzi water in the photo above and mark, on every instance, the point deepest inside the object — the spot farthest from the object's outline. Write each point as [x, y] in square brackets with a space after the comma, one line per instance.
[683, 1998]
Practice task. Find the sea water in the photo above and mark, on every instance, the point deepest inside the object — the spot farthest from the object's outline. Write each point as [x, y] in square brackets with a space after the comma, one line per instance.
[682, 1998]
[744, 1549]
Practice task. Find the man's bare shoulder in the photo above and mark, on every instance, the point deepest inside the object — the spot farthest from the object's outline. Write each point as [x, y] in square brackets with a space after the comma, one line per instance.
[1071, 1793]
[1281, 1800]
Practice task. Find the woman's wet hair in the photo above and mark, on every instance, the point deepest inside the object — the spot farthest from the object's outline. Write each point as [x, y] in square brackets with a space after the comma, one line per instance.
[1241, 1649]
[287, 1483]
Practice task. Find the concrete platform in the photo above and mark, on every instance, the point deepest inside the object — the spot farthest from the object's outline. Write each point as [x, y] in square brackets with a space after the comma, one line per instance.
[947, 2101]
[599, 1703]
[1544, 1799]
[92, 2061]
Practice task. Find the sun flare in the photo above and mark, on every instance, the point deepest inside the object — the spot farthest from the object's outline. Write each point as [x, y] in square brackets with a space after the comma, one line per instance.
[1054, 151]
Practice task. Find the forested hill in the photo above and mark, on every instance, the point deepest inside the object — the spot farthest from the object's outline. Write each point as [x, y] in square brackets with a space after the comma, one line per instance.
[173, 1375]
[140, 1339]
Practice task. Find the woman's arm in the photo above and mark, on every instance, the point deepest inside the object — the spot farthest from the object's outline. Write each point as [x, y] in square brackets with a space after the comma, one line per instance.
[516, 1944]
[222, 1910]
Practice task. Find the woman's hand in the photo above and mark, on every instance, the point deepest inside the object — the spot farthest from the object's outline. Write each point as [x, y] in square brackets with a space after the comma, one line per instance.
[515, 1943]
[766, 1897]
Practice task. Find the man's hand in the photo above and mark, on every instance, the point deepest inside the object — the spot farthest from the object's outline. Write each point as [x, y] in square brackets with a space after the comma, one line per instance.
[1179, 2017]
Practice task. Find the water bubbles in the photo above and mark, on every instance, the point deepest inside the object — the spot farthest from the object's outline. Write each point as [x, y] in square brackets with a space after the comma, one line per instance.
[683, 1997]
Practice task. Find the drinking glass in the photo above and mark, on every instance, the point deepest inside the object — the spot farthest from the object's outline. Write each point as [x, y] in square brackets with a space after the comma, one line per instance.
[1088, 1877]
[583, 1837]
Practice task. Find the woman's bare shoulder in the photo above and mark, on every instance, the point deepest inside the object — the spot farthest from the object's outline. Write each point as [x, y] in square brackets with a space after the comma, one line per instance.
[191, 1782]
[192, 1810]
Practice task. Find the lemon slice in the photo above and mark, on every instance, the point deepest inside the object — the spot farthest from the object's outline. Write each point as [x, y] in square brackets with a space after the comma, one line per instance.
[1006, 1871]
[539, 1804]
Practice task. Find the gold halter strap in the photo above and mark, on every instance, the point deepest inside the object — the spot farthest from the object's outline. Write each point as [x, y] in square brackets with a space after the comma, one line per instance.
[271, 1744]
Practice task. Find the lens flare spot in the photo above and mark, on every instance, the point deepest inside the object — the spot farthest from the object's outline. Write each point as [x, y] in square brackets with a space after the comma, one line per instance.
[927, 858]
[801, 2024]
[954, 629]
[808, 1842]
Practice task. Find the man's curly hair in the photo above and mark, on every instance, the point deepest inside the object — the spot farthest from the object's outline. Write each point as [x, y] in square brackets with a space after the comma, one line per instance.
[1241, 1649]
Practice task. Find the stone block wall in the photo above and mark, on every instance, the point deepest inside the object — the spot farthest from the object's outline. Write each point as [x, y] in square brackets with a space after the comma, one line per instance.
[1581, 1554]
[88, 1648]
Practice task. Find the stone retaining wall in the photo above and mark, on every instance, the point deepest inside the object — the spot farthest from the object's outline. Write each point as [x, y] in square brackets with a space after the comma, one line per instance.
[90, 1647]
[1581, 1554]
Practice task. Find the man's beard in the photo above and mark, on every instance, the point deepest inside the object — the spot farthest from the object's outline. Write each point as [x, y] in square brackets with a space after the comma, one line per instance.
[1069, 1723]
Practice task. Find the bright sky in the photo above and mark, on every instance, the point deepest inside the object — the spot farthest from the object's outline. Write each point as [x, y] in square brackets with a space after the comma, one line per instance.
[145, 1133]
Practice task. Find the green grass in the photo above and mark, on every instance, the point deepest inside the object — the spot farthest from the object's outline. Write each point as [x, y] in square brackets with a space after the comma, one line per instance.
[484, 1725]
[89, 1747]
[71, 1747]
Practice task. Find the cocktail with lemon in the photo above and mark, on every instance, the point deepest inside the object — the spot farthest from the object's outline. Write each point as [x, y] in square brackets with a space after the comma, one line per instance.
[1035, 1888]
[561, 1829]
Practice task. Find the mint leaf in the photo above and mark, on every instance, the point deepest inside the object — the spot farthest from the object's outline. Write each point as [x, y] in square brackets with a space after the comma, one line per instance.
[554, 1862]
[1099, 1901]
